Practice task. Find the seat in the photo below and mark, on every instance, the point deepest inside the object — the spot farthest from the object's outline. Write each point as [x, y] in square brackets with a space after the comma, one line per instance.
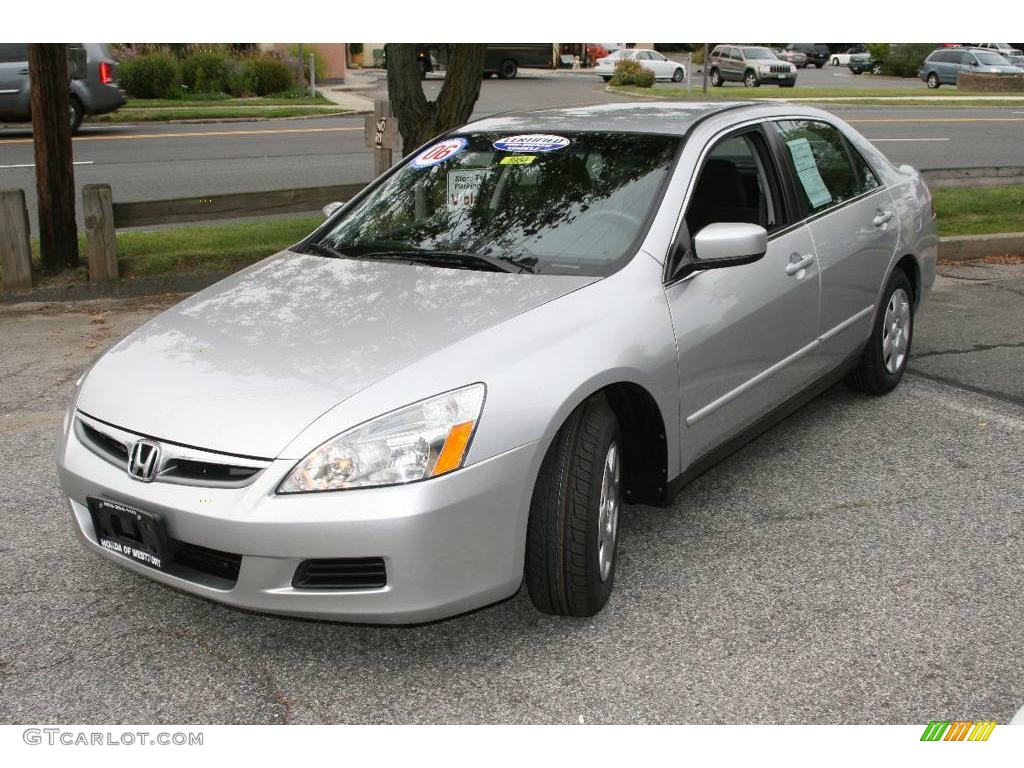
[720, 196]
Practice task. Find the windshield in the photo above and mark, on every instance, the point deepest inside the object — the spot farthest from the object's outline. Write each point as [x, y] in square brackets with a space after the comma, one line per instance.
[572, 203]
[991, 59]
[758, 53]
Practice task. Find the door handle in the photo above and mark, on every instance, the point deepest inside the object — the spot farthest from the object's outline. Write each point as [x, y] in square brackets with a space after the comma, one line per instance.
[882, 218]
[802, 263]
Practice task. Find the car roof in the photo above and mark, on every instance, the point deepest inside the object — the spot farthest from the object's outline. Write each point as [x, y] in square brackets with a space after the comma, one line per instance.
[671, 118]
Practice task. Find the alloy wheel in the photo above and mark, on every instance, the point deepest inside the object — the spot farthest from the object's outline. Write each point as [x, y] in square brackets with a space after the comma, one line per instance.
[896, 331]
[608, 512]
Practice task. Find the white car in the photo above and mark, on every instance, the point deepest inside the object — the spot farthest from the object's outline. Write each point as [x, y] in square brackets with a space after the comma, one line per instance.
[843, 59]
[663, 69]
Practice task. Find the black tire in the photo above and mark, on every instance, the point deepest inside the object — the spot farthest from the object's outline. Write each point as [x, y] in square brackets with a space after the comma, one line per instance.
[508, 69]
[750, 79]
[562, 568]
[857, 71]
[488, 75]
[835, 61]
[933, 80]
[819, 65]
[77, 114]
[716, 78]
[876, 69]
[871, 374]
[606, 78]
[678, 75]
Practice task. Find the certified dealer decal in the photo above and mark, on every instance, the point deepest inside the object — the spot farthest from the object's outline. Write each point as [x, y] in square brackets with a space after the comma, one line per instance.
[531, 142]
[438, 153]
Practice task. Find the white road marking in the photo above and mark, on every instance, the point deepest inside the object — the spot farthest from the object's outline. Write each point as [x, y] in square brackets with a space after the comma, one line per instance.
[928, 139]
[33, 165]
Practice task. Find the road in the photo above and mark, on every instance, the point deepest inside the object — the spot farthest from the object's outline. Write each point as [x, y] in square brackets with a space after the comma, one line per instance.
[859, 563]
[149, 161]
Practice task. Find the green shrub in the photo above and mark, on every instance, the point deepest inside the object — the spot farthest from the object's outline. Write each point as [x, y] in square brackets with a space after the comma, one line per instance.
[206, 71]
[629, 72]
[905, 59]
[260, 76]
[153, 75]
[318, 58]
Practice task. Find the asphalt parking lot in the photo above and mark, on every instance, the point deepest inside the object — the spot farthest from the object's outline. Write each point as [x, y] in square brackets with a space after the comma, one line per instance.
[860, 563]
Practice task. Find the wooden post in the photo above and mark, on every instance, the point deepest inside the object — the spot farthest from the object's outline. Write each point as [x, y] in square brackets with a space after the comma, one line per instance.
[15, 251]
[382, 135]
[98, 209]
[55, 175]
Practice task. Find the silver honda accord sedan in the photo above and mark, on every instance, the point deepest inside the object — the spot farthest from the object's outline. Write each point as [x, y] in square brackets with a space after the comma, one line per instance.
[455, 383]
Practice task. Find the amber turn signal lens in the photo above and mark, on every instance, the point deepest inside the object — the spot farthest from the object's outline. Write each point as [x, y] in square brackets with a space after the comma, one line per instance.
[454, 448]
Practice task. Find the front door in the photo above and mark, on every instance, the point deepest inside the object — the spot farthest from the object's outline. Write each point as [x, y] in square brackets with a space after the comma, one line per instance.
[743, 333]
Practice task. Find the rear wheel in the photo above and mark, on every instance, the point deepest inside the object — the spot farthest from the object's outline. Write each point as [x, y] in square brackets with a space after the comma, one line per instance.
[508, 69]
[678, 75]
[819, 65]
[574, 515]
[885, 358]
[835, 61]
[606, 78]
[77, 113]
[876, 69]
[716, 78]
[933, 80]
[750, 79]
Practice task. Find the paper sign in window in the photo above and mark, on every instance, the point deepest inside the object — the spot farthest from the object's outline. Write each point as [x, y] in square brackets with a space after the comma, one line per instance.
[463, 187]
[807, 169]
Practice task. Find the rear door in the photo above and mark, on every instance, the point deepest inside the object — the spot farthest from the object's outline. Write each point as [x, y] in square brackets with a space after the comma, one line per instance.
[14, 81]
[743, 333]
[853, 225]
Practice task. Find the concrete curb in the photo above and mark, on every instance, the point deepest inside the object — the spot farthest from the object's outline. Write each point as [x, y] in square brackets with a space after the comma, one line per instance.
[140, 286]
[967, 247]
[205, 120]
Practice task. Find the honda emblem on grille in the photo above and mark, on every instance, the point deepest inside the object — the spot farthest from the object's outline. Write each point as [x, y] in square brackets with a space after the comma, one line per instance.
[142, 463]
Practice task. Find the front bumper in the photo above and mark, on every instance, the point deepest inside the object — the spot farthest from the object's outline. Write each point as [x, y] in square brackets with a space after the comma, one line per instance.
[450, 544]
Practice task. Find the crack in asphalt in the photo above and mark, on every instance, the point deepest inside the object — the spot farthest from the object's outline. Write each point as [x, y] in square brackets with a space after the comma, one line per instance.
[974, 348]
[1001, 396]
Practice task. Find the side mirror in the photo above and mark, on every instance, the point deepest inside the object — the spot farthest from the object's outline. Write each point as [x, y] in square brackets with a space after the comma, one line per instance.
[729, 244]
[330, 208]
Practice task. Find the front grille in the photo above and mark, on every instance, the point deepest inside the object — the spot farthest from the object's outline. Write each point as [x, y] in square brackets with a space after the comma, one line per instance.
[192, 557]
[178, 463]
[341, 573]
[779, 69]
[105, 444]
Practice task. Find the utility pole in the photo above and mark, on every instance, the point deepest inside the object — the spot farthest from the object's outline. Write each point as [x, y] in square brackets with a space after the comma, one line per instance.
[51, 135]
[704, 69]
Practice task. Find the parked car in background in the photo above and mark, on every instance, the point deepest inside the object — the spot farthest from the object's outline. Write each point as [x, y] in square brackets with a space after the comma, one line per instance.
[1007, 51]
[751, 65]
[662, 67]
[817, 53]
[98, 93]
[454, 384]
[864, 62]
[944, 65]
[843, 59]
[796, 58]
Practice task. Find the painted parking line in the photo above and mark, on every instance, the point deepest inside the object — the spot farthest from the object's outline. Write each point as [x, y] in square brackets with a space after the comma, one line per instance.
[33, 165]
[919, 139]
[194, 134]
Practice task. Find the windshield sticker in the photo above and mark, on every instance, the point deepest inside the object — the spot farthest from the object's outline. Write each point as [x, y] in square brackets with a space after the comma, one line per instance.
[438, 153]
[463, 187]
[807, 169]
[517, 160]
[531, 142]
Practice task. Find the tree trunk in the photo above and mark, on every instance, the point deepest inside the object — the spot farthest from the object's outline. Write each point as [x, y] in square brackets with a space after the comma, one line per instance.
[420, 120]
[55, 176]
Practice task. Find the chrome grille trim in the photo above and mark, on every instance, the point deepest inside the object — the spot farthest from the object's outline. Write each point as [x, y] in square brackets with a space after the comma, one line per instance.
[106, 441]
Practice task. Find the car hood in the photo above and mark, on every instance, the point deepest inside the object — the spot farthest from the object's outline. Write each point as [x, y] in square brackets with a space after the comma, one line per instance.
[243, 366]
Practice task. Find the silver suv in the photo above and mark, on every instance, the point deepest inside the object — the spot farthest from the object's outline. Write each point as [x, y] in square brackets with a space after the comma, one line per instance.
[97, 93]
[751, 65]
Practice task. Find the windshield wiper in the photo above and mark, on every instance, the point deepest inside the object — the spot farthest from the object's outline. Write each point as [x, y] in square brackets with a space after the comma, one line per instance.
[326, 250]
[454, 259]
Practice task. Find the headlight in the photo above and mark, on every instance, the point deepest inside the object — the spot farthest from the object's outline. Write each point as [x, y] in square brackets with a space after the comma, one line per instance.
[766, 67]
[421, 440]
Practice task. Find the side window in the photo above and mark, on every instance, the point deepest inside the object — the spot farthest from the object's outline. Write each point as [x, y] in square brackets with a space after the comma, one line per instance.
[657, 56]
[716, 52]
[734, 53]
[643, 56]
[13, 52]
[826, 174]
[736, 184]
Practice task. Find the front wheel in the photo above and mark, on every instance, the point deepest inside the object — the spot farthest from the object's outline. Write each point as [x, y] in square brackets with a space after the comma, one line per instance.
[574, 515]
[876, 69]
[716, 78]
[606, 78]
[750, 80]
[678, 75]
[885, 357]
[933, 80]
[835, 61]
[819, 66]
[77, 113]
[508, 69]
